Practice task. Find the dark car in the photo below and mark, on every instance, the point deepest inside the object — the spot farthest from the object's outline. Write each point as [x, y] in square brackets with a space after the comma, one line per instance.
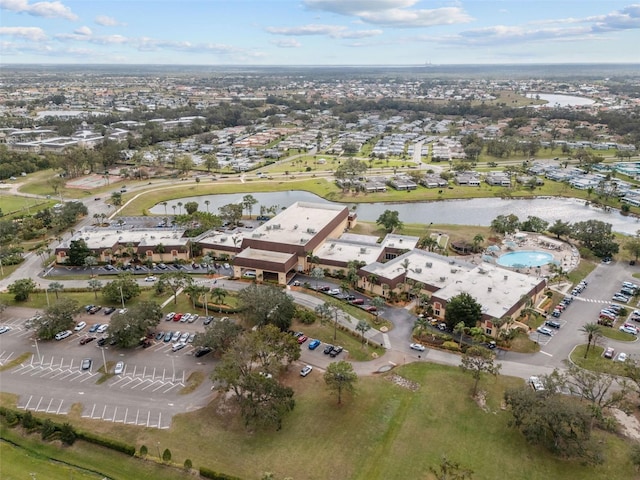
[336, 351]
[102, 342]
[552, 324]
[350, 298]
[159, 335]
[86, 340]
[109, 310]
[327, 350]
[167, 337]
[202, 351]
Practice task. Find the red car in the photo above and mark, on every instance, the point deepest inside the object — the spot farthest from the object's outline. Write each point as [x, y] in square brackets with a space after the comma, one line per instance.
[370, 308]
[357, 301]
[302, 339]
[177, 317]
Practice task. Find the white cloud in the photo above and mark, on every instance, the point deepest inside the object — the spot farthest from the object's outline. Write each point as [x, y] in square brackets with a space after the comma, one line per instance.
[392, 13]
[333, 31]
[83, 31]
[287, 43]
[29, 33]
[39, 9]
[107, 21]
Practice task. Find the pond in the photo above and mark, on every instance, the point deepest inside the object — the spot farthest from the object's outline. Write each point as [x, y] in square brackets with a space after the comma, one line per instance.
[477, 211]
[560, 100]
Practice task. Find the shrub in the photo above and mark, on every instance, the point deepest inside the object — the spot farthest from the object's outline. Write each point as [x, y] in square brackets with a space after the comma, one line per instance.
[144, 451]
[451, 346]
[48, 429]
[107, 442]
[166, 455]
[188, 464]
[207, 473]
[67, 434]
[29, 422]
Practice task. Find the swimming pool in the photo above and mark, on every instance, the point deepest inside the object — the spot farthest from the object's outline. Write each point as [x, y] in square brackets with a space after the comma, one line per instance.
[525, 258]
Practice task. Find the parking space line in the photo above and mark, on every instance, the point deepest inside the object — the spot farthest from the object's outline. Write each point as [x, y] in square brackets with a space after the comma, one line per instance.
[59, 406]
[38, 406]
[137, 413]
[126, 412]
[49, 406]
[28, 402]
[104, 411]
[115, 412]
[545, 353]
[148, 417]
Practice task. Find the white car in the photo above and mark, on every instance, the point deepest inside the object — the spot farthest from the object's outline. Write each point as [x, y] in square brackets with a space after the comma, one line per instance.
[536, 384]
[151, 278]
[334, 291]
[626, 328]
[545, 331]
[62, 335]
[178, 346]
[417, 346]
[185, 318]
[4, 329]
[102, 328]
[227, 266]
[80, 326]
[306, 370]
[618, 297]
[170, 316]
[119, 368]
[184, 337]
[622, 357]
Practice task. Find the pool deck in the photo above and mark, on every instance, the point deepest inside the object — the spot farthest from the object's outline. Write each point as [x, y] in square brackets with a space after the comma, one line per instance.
[564, 254]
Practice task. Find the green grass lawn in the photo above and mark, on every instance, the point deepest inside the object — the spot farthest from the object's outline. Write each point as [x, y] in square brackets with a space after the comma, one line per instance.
[614, 334]
[18, 204]
[384, 431]
[595, 361]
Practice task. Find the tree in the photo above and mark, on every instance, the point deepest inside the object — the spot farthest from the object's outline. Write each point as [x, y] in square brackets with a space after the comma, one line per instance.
[248, 201]
[593, 332]
[166, 455]
[505, 224]
[94, 286]
[340, 377]
[90, 261]
[191, 207]
[247, 370]
[184, 164]
[554, 421]
[448, 470]
[265, 304]
[57, 317]
[377, 302]
[463, 308]
[596, 236]
[218, 336]
[78, 252]
[122, 288]
[478, 240]
[128, 328]
[350, 169]
[231, 213]
[174, 281]
[363, 327]
[317, 274]
[390, 220]
[116, 199]
[21, 289]
[479, 360]
[534, 224]
[633, 246]
[560, 229]
[56, 287]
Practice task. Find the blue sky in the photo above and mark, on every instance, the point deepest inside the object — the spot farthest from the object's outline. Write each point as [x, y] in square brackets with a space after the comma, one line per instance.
[319, 32]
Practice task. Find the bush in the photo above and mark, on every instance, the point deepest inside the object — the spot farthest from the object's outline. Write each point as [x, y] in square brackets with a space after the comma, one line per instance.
[188, 464]
[453, 346]
[29, 422]
[48, 429]
[166, 455]
[107, 442]
[67, 434]
[144, 451]
[206, 473]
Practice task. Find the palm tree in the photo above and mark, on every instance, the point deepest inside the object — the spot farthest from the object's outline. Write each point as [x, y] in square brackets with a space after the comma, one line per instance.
[174, 209]
[160, 249]
[164, 204]
[363, 327]
[56, 287]
[459, 330]
[180, 207]
[207, 202]
[95, 285]
[593, 332]
[219, 294]
[477, 241]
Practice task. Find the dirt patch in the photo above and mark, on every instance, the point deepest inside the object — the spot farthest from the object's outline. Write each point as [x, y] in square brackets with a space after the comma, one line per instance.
[404, 383]
[92, 181]
[629, 423]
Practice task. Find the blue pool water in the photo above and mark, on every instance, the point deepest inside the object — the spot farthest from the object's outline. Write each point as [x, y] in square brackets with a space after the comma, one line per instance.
[525, 258]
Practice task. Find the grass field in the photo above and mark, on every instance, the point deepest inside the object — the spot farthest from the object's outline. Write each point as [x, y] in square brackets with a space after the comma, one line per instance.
[18, 204]
[383, 432]
[595, 361]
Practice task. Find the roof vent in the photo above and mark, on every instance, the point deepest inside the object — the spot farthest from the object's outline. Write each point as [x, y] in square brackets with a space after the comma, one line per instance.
[506, 277]
[417, 270]
[488, 289]
[429, 264]
[442, 279]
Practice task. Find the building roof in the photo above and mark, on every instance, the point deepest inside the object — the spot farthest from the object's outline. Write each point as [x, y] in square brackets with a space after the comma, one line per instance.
[298, 224]
[264, 255]
[102, 238]
[496, 289]
[344, 251]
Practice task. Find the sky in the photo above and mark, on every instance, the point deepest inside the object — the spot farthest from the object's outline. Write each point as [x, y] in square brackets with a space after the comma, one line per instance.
[319, 32]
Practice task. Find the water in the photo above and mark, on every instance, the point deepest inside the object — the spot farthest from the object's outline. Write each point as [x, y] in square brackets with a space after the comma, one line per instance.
[477, 211]
[560, 100]
[525, 258]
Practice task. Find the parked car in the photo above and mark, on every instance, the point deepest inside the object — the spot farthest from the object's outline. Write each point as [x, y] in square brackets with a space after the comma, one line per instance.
[167, 337]
[327, 349]
[313, 344]
[102, 328]
[552, 324]
[536, 384]
[177, 317]
[619, 297]
[302, 339]
[62, 335]
[202, 351]
[306, 370]
[335, 351]
[176, 336]
[80, 326]
[150, 278]
[178, 346]
[609, 352]
[86, 364]
[119, 368]
[86, 340]
[94, 328]
[417, 346]
[184, 337]
[628, 328]
[357, 301]
[370, 308]
[622, 357]
[159, 336]
[109, 310]
[185, 318]
[193, 317]
[95, 309]
[334, 291]
[207, 320]
[544, 331]
[102, 342]
[169, 316]
[4, 330]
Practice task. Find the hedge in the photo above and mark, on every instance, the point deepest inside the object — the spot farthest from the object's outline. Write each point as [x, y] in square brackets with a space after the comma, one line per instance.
[207, 473]
[107, 442]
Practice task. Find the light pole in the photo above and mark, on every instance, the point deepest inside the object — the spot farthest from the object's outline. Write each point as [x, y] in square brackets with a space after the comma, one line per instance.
[104, 360]
[173, 366]
[158, 445]
[206, 307]
[121, 297]
[46, 293]
[38, 350]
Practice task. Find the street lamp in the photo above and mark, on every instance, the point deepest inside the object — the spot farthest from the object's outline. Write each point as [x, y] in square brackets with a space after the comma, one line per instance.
[104, 361]
[158, 445]
[121, 297]
[38, 350]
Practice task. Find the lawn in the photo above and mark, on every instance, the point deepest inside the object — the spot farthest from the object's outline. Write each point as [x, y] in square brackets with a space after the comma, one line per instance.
[18, 204]
[595, 361]
[384, 431]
